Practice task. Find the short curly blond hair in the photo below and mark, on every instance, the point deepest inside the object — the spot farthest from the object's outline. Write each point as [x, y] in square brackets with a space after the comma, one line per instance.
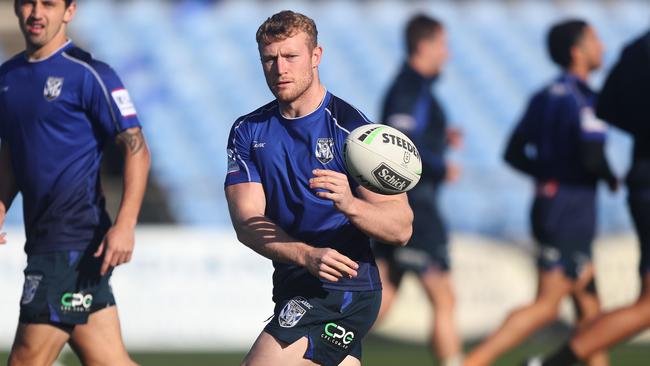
[285, 24]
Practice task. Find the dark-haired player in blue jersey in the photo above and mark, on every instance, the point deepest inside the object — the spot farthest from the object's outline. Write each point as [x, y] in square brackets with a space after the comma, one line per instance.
[623, 102]
[560, 143]
[292, 200]
[411, 107]
[58, 108]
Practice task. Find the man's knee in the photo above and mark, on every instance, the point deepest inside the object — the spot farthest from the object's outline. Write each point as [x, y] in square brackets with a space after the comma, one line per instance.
[24, 356]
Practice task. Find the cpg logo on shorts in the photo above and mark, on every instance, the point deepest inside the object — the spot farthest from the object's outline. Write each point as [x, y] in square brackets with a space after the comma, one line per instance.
[337, 335]
[76, 302]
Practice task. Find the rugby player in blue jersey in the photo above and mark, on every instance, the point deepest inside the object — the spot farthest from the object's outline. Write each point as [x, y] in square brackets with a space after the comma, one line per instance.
[292, 200]
[559, 143]
[58, 108]
[411, 107]
[623, 102]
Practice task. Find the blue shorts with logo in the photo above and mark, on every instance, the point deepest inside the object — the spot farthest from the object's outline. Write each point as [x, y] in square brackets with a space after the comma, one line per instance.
[334, 322]
[564, 224]
[64, 288]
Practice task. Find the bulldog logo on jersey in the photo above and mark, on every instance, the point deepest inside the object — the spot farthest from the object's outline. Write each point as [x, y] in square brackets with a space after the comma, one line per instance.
[324, 152]
[53, 87]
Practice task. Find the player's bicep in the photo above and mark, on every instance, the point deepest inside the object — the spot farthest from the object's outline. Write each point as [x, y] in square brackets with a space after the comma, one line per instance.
[245, 201]
[132, 140]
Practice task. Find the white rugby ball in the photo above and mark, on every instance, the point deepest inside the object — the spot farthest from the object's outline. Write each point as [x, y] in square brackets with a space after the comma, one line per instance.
[382, 159]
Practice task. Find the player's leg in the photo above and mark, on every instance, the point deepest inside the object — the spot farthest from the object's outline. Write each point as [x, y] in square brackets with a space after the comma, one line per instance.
[614, 327]
[588, 308]
[389, 282]
[350, 361]
[99, 341]
[445, 340]
[37, 345]
[267, 350]
[521, 323]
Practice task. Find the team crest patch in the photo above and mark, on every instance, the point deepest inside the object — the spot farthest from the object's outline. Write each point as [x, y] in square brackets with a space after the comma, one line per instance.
[53, 87]
[233, 167]
[291, 314]
[324, 152]
[30, 287]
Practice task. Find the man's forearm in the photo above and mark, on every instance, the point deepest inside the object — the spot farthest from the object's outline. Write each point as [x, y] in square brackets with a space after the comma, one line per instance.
[269, 240]
[387, 221]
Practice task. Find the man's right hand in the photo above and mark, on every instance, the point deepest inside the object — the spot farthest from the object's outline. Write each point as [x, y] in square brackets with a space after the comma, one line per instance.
[330, 265]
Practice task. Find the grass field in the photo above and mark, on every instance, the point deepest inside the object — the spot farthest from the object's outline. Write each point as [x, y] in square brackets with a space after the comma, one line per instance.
[377, 352]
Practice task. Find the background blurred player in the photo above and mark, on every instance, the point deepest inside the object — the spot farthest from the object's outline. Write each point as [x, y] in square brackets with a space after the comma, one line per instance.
[292, 201]
[58, 108]
[411, 107]
[624, 103]
[560, 144]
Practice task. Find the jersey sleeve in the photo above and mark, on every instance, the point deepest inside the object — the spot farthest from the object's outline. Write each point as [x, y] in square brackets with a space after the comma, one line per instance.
[518, 154]
[108, 101]
[591, 127]
[241, 169]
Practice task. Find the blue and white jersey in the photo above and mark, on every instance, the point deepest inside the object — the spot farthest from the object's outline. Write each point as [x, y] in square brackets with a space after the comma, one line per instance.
[281, 154]
[56, 115]
[559, 122]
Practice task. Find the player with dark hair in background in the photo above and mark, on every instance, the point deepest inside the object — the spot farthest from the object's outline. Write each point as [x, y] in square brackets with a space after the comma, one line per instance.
[623, 102]
[559, 143]
[411, 107]
[58, 108]
[292, 200]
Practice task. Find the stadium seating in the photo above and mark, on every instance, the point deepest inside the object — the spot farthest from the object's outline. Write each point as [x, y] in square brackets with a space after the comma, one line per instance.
[192, 68]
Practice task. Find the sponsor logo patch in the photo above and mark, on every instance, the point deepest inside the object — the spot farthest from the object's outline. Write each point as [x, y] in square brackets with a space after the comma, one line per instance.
[124, 103]
[29, 289]
[390, 179]
[76, 302]
[291, 314]
[337, 335]
[324, 152]
[53, 87]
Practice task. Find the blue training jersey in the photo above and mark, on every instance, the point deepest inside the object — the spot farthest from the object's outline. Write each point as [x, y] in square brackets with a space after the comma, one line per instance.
[558, 122]
[56, 115]
[280, 154]
[411, 107]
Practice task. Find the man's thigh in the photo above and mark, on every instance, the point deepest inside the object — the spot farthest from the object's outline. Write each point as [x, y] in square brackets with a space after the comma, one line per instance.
[267, 350]
[37, 344]
[99, 341]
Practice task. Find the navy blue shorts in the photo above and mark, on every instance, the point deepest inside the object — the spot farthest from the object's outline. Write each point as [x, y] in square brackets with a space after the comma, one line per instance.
[334, 322]
[64, 288]
[428, 247]
[564, 224]
[639, 202]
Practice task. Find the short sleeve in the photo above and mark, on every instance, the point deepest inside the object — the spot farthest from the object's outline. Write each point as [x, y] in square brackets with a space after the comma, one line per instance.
[241, 169]
[591, 127]
[108, 101]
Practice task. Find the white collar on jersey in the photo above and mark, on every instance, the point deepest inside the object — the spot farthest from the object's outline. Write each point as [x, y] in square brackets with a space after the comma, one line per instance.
[50, 55]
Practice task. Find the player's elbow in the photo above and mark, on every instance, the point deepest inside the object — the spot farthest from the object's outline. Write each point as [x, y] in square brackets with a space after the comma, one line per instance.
[406, 231]
[405, 236]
